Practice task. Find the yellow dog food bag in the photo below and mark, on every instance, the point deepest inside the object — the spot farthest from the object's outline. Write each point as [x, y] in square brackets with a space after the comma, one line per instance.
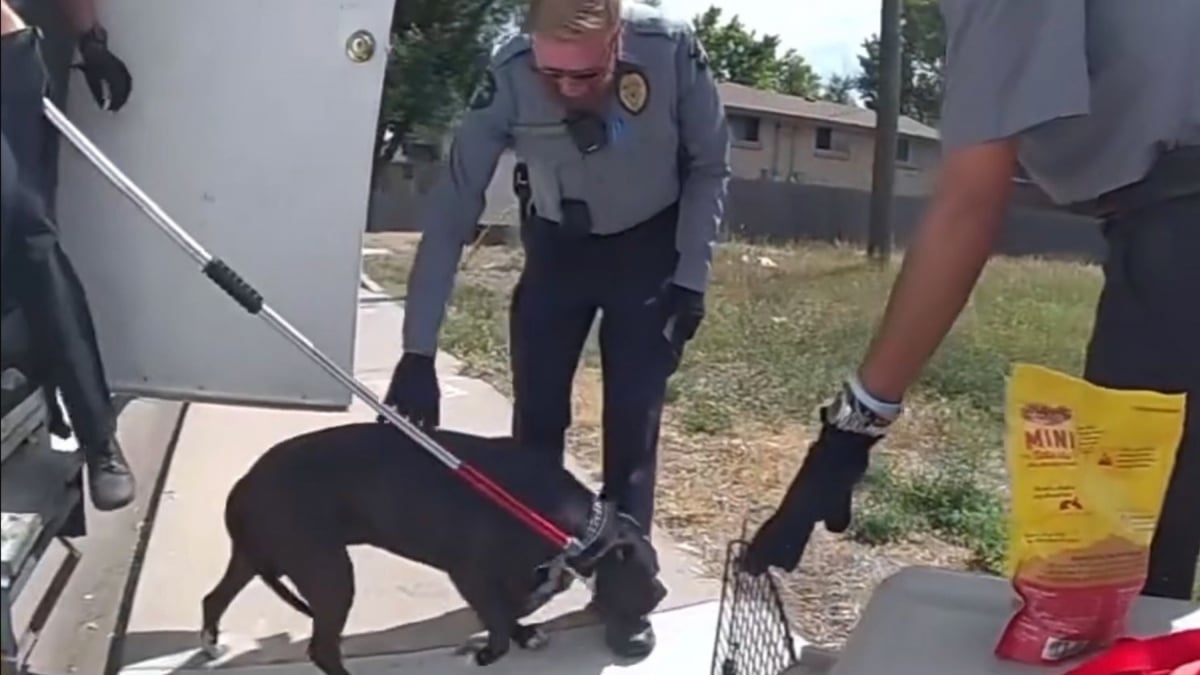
[1089, 468]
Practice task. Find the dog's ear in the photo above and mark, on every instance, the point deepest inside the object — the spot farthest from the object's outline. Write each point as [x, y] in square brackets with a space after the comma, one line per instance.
[632, 541]
[629, 531]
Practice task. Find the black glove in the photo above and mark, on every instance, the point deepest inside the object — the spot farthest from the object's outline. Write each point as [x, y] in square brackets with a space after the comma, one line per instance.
[102, 70]
[822, 491]
[684, 310]
[414, 391]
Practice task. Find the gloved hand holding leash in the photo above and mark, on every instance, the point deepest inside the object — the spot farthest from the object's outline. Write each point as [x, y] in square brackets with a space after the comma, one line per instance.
[822, 490]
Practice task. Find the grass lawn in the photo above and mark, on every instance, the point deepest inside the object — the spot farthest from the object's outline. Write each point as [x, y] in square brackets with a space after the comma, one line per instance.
[784, 325]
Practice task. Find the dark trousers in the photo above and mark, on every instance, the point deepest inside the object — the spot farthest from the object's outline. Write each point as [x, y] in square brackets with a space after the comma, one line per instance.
[1147, 336]
[566, 281]
[37, 274]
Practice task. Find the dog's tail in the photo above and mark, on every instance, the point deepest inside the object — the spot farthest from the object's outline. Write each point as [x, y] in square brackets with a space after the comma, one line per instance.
[239, 541]
[273, 582]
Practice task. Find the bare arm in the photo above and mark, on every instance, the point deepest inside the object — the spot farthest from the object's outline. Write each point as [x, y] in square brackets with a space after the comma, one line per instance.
[81, 14]
[1010, 67]
[942, 266]
[10, 21]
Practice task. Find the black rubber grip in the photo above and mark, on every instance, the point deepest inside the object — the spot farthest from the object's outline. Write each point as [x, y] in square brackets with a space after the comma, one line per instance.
[234, 285]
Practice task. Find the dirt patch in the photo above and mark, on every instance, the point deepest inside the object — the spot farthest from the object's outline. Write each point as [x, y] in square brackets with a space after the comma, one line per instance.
[707, 486]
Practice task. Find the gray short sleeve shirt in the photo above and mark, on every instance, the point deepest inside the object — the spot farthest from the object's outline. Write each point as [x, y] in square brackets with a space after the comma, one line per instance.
[667, 142]
[1093, 89]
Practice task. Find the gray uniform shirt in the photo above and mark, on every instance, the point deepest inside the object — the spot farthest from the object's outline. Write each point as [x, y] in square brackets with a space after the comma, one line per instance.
[1094, 90]
[670, 103]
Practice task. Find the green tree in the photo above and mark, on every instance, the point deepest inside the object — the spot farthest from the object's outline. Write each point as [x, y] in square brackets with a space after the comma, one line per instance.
[838, 89]
[738, 54]
[439, 49]
[796, 77]
[922, 54]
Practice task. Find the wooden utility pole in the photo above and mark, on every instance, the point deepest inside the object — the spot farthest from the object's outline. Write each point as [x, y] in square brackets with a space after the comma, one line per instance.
[887, 119]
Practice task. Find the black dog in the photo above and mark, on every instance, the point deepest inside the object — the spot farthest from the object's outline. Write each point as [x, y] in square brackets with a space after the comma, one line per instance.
[306, 499]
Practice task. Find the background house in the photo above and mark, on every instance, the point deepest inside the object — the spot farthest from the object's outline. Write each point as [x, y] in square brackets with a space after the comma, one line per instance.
[801, 170]
[792, 139]
[775, 137]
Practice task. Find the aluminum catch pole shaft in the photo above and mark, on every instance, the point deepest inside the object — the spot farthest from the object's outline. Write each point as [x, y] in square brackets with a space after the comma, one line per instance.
[249, 299]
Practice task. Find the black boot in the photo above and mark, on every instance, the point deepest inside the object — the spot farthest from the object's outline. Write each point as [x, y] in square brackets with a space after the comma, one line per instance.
[630, 640]
[109, 479]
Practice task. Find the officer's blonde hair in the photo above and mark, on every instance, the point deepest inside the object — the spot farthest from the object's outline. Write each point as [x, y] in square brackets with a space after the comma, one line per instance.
[572, 18]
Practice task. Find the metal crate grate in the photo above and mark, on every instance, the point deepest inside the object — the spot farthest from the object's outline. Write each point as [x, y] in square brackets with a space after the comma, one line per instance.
[754, 636]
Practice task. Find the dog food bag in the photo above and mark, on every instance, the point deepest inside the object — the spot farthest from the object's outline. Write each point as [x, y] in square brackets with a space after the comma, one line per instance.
[1088, 468]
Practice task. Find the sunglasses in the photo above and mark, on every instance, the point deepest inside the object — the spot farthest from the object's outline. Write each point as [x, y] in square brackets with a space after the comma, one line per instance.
[582, 74]
[557, 74]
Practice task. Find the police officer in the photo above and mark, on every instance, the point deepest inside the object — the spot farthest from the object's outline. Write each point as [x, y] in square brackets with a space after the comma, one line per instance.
[600, 101]
[1100, 102]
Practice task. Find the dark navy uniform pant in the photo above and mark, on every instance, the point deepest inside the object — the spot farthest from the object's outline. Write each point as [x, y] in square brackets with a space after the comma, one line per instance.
[567, 281]
[1147, 336]
[37, 273]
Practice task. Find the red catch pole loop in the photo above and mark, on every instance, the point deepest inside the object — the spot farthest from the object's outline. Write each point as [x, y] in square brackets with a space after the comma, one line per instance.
[514, 506]
[1163, 655]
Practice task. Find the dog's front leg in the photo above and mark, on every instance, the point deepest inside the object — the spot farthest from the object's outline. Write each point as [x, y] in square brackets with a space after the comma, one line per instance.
[495, 611]
[529, 636]
[499, 641]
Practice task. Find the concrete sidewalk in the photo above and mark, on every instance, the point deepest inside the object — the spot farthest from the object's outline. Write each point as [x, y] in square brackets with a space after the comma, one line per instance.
[400, 607]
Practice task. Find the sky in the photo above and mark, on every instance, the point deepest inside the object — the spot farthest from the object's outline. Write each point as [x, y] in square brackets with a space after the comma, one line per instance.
[827, 33]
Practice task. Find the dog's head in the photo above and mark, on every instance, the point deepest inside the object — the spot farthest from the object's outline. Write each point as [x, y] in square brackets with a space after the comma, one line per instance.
[627, 584]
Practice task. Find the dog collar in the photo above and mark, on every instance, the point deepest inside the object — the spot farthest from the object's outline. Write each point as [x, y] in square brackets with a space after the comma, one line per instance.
[596, 524]
[593, 544]
[558, 572]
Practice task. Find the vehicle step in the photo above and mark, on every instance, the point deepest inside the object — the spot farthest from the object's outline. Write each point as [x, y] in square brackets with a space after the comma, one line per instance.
[18, 424]
[38, 490]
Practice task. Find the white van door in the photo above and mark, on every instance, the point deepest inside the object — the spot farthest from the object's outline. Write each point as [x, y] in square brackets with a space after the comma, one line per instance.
[252, 125]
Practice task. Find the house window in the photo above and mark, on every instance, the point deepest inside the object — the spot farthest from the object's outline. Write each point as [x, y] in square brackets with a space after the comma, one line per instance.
[903, 151]
[827, 141]
[743, 128]
[824, 138]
